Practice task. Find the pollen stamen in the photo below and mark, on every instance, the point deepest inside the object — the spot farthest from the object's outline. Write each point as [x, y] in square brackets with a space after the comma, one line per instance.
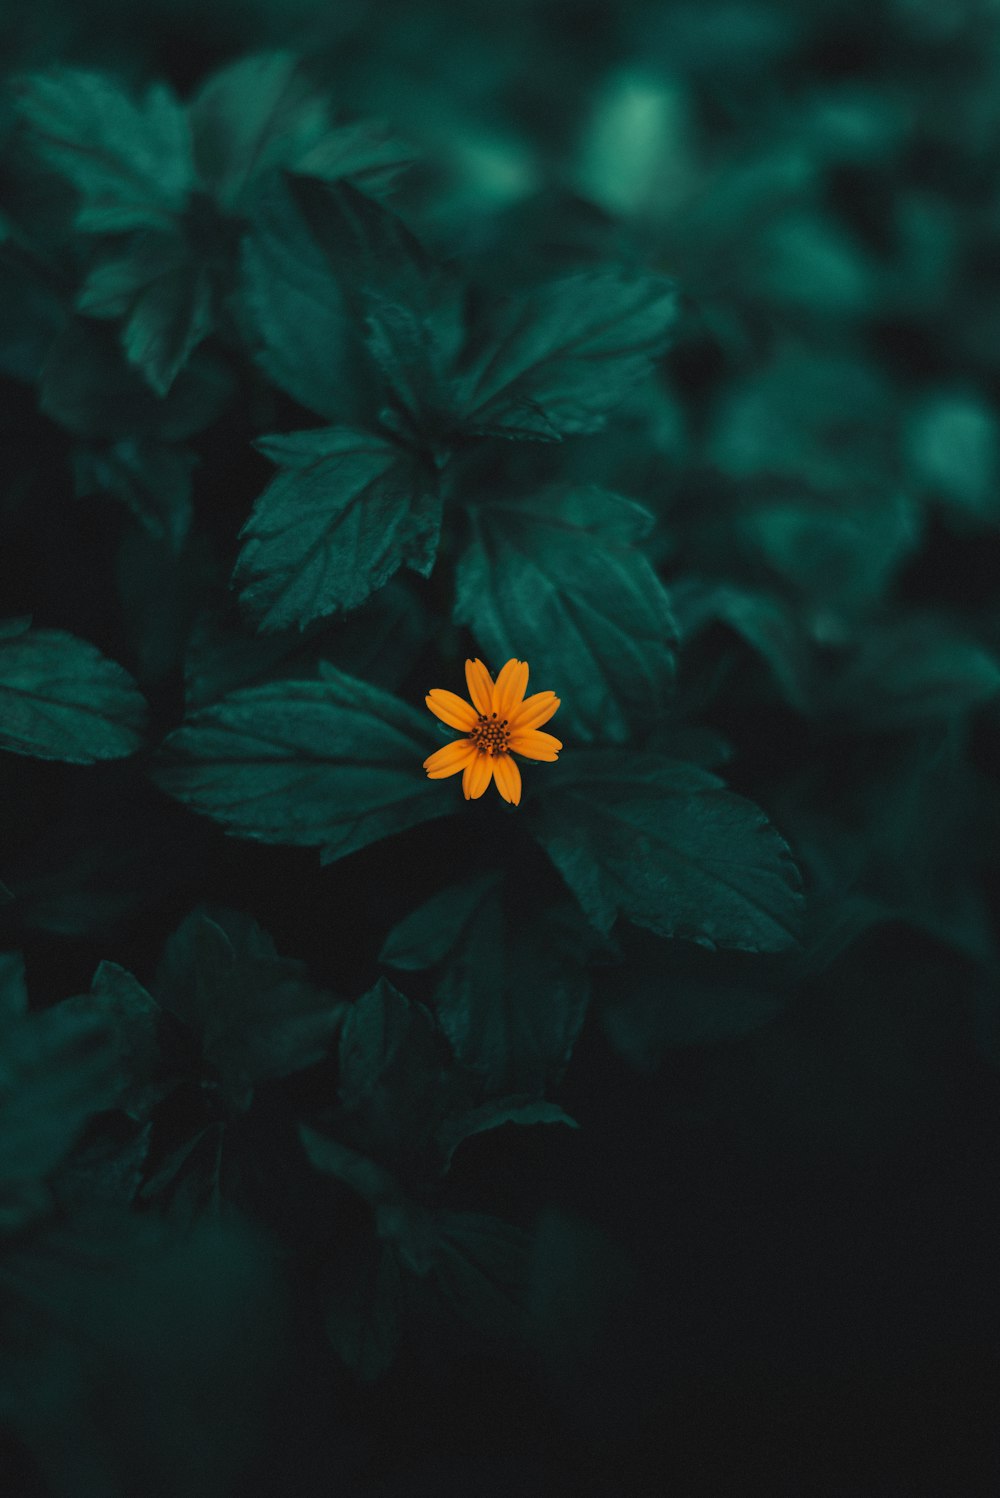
[490, 736]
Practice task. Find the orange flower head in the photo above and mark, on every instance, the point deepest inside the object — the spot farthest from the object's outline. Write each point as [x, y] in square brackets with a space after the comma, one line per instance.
[498, 723]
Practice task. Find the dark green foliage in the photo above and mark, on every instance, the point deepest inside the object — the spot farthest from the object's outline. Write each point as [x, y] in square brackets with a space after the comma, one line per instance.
[561, 579]
[332, 764]
[357, 1138]
[345, 511]
[61, 699]
[665, 845]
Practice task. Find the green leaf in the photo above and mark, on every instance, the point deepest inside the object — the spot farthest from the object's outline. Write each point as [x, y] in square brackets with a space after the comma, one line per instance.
[164, 297]
[57, 1068]
[61, 699]
[88, 387]
[481, 1268]
[152, 479]
[324, 264]
[362, 1296]
[333, 764]
[665, 845]
[133, 1019]
[522, 1111]
[556, 359]
[665, 996]
[910, 670]
[13, 989]
[767, 624]
[511, 984]
[256, 1015]
[263, 112]
[345, 512]
[394, 1075]
[560, 581]
[130, 162]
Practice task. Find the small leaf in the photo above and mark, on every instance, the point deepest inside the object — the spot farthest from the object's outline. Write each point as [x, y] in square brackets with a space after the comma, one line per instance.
[131, 163]
[57, 1068]
[561, 581]
[133, 1018]
[556, 359]
[668, 847]
[153, 479]
[333, 764]
[394, 1080]
[61, 699]
[263, 112]
[163, 296]
[88, 387]
[345, 512]
[481, 1269]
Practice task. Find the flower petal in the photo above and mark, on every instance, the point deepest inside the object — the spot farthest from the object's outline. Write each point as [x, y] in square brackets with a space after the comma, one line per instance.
[449, 760]
[480, 686]
[534, 711]
[508, 778]
[509, 690]
[478, 773]
[535, 745]
[451, 708]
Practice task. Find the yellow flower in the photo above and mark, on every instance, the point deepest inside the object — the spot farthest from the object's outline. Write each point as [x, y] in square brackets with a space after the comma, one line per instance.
[502, 722]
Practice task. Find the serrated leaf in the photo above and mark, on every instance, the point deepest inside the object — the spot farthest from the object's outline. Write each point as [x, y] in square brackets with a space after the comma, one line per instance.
[522, 1111]
[163, 296]
[263, 112]
[556, 359]
[561, 581]
[323, 263]
[333, 764]
[667, 847]
[345, 512]
[511, 985]
[130, 162]
[60, 698]
[256, 1015]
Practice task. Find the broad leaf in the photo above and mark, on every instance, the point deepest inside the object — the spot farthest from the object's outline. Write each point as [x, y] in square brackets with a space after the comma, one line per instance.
[324, 264]
[510, 981]
[347, 509]
[666, 846]
[557, 359]
[130, 162]
[333, 764]
[61, 699]
[560, 580]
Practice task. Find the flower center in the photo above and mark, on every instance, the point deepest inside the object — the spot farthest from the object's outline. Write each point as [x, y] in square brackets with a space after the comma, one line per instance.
[490, 735]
